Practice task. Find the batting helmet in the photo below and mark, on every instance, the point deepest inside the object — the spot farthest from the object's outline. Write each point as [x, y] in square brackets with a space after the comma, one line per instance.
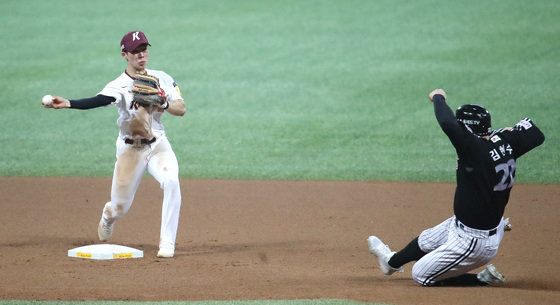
[476, 117]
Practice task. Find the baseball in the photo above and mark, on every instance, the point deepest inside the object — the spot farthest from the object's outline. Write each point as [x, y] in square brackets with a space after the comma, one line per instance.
[47, 99]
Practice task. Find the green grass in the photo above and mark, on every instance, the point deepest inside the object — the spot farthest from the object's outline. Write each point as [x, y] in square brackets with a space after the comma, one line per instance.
[322, 90]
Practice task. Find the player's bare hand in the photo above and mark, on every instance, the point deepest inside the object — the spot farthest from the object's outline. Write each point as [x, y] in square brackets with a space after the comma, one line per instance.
[435, 92]
[58, 103]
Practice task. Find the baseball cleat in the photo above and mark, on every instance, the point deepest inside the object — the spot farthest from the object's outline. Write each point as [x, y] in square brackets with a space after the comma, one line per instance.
[383, 254]
[165, 253]
[104, 231]
[491, 276]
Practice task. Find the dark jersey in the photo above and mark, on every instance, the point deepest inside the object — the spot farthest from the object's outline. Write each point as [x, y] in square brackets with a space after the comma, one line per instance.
[485, 167]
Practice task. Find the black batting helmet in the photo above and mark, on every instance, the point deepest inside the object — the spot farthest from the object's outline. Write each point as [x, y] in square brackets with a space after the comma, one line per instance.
[476, 117]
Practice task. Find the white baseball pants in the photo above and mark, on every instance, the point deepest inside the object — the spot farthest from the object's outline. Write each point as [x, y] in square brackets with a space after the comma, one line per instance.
[160, 161]
[454, 249]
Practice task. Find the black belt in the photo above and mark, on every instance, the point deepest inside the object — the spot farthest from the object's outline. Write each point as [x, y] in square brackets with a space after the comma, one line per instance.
[141, 141]
[462, 226]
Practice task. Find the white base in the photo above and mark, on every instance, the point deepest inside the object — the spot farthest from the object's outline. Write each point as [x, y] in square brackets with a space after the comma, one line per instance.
[105, 251]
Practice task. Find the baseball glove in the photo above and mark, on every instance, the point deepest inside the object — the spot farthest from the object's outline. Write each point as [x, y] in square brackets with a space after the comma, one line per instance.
[146, 91]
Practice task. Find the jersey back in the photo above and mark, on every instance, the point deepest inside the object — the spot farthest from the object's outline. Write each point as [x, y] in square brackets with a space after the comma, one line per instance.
[486, 172]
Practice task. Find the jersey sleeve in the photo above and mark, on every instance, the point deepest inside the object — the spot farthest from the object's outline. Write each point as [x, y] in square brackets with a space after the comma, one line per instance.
[115, 91]
[524, 136]
[448, 123]
[92, 102]
[170, 86]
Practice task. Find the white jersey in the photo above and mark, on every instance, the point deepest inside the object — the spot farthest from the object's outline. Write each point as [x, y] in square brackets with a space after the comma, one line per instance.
[121, 90]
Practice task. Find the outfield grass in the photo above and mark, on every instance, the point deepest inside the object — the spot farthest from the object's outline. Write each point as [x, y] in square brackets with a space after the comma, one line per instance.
[323, 90]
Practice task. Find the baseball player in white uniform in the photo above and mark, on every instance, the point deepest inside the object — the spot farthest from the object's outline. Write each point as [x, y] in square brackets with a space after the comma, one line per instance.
[141, 145]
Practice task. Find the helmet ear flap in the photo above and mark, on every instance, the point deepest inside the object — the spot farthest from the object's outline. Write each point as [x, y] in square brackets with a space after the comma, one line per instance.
[476, 117]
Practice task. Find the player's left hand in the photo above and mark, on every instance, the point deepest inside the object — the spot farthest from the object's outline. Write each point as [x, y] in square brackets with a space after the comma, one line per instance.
[147, 92]
[437, 91]
[507, 225]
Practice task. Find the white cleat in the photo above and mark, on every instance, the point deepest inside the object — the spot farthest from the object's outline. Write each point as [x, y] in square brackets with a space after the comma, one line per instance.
[383, 254]
[104, 231]
[491, 276]
[166, 253]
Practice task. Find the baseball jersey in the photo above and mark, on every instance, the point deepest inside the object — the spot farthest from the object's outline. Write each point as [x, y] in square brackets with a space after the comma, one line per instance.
[485, 168]
[120, 89]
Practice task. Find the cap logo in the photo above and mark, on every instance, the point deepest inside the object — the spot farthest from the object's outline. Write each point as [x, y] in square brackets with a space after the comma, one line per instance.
[135, 36]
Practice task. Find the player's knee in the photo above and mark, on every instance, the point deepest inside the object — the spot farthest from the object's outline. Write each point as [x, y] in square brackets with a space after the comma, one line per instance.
[422, 281]
[416, 277]
[170, 184]
[419, 277]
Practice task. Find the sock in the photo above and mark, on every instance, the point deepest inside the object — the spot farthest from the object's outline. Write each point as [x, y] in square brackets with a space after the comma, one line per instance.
[408, 254]
[463, 280]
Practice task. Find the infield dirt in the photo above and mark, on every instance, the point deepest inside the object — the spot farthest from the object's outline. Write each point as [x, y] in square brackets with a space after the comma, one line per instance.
[242, 240]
